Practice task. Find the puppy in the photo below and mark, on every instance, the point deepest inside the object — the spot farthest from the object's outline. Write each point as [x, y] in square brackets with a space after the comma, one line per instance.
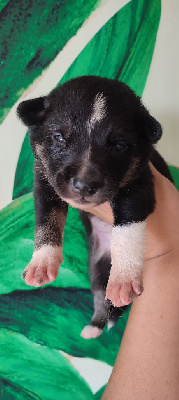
[92, 139]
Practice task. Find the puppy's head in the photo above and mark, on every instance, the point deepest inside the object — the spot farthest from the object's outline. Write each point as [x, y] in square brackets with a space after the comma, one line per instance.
[91, 136]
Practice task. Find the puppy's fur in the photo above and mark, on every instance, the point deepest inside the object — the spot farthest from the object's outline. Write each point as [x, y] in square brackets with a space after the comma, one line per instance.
[93, 139]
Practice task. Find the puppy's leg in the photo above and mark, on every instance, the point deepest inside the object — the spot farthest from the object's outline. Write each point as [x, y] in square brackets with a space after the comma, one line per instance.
[50, 220]
[127, 249]
[131, 208]
[103, 310]
[100, 316]
[101, 304]
[98, 234]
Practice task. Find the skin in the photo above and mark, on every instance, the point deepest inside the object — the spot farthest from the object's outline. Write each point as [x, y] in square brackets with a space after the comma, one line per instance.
[147, 365]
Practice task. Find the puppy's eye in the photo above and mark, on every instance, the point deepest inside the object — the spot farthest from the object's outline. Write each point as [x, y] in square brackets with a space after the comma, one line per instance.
[117, 146]
[59, 138]
[120, 146]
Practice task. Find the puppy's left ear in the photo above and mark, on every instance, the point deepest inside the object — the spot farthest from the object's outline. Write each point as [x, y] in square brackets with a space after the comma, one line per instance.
[148, 126]
[32, 112]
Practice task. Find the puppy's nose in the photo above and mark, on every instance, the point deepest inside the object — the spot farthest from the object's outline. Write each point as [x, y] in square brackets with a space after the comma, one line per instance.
[83, 188]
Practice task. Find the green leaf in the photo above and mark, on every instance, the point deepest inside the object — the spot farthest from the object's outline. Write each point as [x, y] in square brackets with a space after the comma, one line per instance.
[99, 394]
[123, 48]
[28, 371]
[46, 29]
[175, 174]
[54, 317]
[3, 4]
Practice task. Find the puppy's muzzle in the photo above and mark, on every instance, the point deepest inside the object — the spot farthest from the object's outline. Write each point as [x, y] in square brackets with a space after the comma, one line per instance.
[83, 188]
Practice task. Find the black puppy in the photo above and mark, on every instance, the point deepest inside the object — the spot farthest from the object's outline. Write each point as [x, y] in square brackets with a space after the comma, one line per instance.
[93, 139]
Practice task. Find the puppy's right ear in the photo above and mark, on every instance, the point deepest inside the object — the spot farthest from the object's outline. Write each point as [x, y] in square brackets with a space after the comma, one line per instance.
[148, 125]
[32, 112]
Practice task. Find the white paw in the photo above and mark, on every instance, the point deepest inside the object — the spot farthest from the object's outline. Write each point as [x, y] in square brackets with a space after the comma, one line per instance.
[90, 332]
[122, 293]
[44, 265]
[127, 257]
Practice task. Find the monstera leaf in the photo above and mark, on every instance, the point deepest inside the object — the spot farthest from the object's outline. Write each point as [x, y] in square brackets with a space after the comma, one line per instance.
[98, 395]
[32, 34]
[37, 372]
[123, 48]
[54, 317]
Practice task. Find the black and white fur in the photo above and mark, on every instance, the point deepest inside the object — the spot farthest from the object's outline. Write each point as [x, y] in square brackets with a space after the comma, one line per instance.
[93, 139]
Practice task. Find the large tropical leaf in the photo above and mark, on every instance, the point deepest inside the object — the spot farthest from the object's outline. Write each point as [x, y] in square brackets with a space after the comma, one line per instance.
[99, 394]
[54, 317]
[123, 48]
[28, 371]
[32, 34]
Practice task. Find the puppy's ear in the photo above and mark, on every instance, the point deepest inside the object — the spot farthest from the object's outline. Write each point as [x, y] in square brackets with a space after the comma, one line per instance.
[32, 112]
[148, 126]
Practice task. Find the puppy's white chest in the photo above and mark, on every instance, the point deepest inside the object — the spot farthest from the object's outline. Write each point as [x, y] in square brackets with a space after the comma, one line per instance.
[102, 234]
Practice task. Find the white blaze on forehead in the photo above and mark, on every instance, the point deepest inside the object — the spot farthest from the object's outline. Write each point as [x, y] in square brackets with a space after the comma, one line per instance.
[127, 250]
[99, 110]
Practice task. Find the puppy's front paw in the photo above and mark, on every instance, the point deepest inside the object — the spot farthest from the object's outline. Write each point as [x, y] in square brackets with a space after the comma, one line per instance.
[127, 257]
[44, 265]
[122, 293]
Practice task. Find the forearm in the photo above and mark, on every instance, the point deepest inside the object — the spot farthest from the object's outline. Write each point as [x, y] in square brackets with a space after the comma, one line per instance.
[147, 366]
[50, 214]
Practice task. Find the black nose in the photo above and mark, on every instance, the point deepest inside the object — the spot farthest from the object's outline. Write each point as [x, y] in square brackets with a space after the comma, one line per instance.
[83, 188]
